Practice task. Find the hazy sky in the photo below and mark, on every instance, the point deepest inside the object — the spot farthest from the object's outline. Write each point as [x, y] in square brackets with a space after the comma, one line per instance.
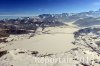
[35, 7]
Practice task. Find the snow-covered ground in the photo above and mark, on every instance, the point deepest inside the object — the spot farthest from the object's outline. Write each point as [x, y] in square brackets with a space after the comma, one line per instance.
[55, 44]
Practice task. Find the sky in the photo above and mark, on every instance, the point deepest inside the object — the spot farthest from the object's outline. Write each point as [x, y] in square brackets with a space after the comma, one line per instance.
[36, 7]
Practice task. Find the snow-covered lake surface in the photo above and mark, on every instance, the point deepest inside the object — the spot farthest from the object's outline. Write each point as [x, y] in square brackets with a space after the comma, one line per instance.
[55, 40]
